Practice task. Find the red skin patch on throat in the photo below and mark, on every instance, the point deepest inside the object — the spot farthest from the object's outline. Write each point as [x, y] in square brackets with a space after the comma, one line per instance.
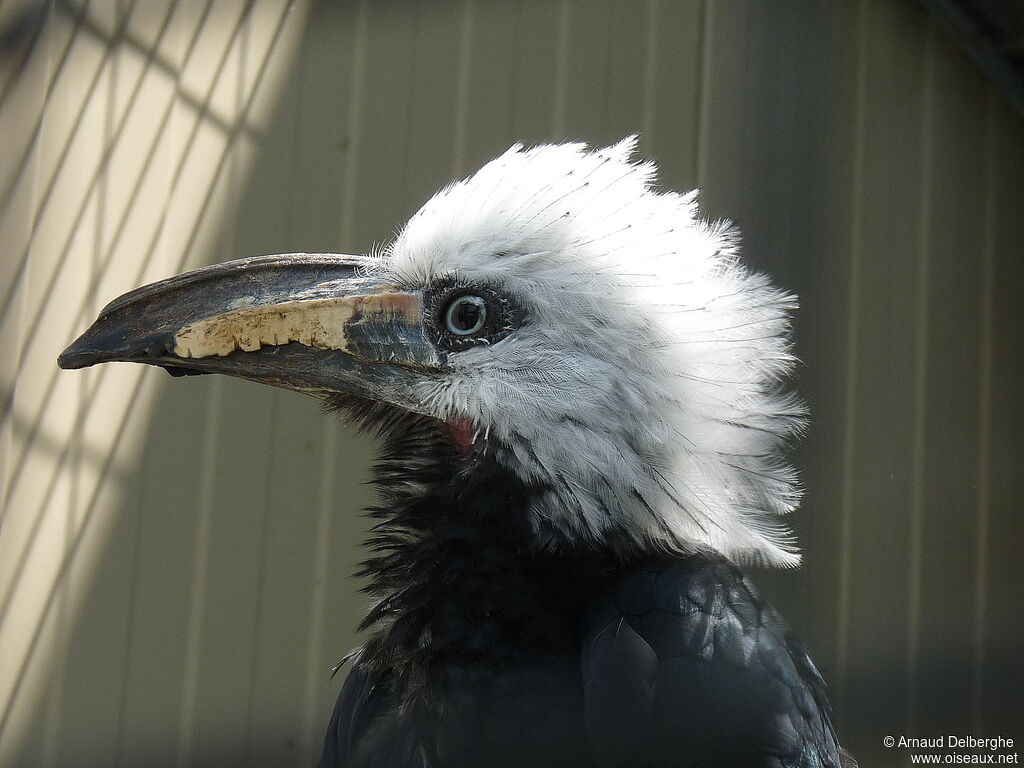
[462, 432]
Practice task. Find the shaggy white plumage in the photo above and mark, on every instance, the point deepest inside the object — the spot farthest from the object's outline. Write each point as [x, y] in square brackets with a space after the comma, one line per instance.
[643, 385]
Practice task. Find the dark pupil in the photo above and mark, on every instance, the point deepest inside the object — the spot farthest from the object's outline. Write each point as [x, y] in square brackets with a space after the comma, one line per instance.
[467, 315]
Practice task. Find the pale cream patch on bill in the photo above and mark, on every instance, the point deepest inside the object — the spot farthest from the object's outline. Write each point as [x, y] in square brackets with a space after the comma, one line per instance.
[316, 323]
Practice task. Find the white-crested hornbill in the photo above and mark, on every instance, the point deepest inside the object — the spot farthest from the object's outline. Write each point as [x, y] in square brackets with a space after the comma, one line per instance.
[581, 396]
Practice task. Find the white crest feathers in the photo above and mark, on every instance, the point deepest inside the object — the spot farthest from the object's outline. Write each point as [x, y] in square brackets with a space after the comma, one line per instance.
[644, 386]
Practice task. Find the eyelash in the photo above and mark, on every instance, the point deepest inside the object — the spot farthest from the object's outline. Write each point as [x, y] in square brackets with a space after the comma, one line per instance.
[501, 314]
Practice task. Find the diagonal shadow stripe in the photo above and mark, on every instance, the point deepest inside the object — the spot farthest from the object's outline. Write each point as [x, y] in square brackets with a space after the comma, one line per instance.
[232, 138]
[101, 269]
[22, 33]
[39, 514]
[71, 550]
[50, 442]
[30, 439]
[5, 197]
[77, 22]
[153, 60]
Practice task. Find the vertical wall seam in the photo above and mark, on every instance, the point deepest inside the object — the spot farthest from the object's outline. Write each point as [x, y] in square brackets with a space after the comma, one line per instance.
[174, 140]
[647, 109]
[200, 570]
[258, 623]
[920, 383]
[461, 115]
[321, 560]
[246, 97]
[517, 36]
[704, 74]
[410, 112]
[853, 339]
[306, 700]
[355, 106]
[985, 353]
[325, 508]
[561, 70]
[309, 689]
[133, 596]
[211, 428]
[15, 299]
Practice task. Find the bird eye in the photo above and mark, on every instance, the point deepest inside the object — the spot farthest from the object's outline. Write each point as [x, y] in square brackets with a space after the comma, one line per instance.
[466, 315]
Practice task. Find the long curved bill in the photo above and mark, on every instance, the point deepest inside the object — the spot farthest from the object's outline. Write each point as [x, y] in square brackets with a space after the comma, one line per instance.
[317, 323]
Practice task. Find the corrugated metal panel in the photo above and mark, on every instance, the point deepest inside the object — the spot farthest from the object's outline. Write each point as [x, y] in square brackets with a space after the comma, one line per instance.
[174, 560]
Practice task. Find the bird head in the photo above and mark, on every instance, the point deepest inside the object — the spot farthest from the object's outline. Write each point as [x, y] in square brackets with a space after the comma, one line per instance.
[553, 314]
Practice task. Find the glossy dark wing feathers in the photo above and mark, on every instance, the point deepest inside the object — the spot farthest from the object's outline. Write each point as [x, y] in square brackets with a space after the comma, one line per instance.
[358, 736]
[685, 664]
[347, 722]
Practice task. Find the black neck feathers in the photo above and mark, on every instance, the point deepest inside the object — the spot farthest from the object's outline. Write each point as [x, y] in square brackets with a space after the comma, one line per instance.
[457, 568]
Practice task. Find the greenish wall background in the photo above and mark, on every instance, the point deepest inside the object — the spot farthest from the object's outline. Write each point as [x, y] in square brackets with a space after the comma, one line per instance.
[175, 556]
